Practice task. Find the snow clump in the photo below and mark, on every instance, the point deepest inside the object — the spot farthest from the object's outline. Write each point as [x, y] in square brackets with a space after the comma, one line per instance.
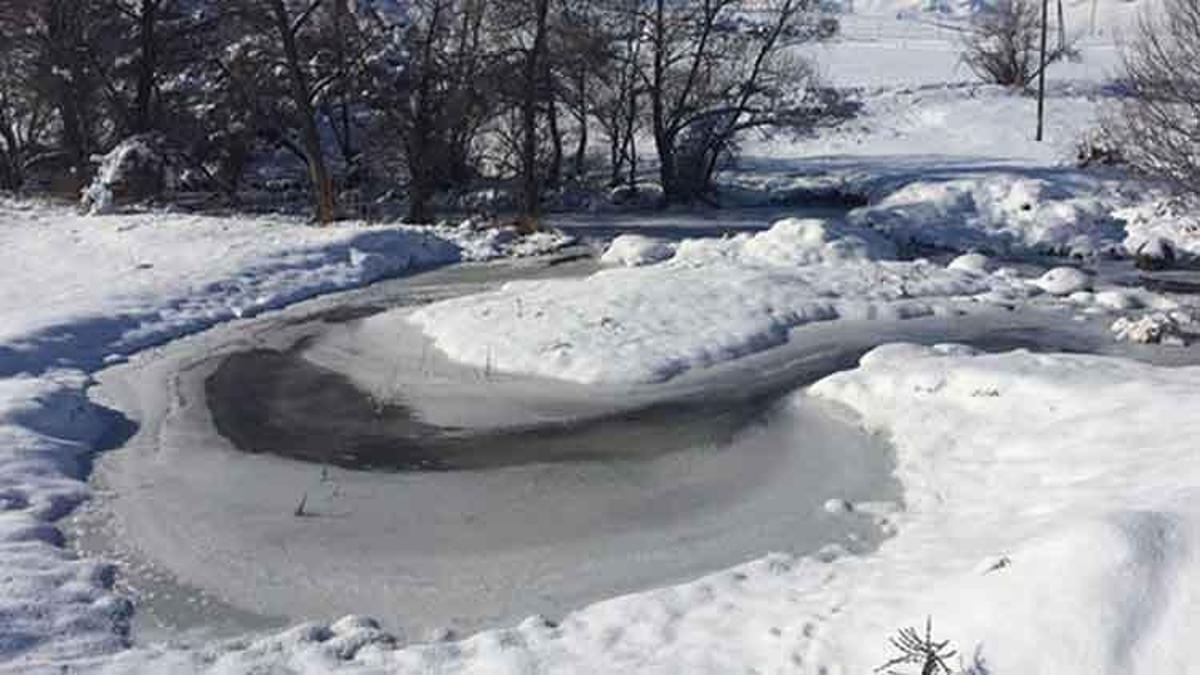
[971, 262]
[1064, 281]
[635, 250]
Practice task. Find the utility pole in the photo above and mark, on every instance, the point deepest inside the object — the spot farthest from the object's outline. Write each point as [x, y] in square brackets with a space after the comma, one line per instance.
[1041, 108]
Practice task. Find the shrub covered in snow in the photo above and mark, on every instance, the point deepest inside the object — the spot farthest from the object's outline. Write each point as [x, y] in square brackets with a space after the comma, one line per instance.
[135, 170]
[1168, 328]
[1162, 233]
[1157, 124]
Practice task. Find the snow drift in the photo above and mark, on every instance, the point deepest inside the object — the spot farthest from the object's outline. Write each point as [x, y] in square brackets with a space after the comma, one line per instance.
[715, 300]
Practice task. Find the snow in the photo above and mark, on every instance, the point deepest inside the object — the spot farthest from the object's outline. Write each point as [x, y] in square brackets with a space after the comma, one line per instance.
[1169, 328]
[634, 250]
[1003, 213]
[1064, 281]
[1081, 527]
[1078, 523]
[1162, 229]
[971, 262]
[153, 276]
[1049, 516]
[715, 300]
[52, 604]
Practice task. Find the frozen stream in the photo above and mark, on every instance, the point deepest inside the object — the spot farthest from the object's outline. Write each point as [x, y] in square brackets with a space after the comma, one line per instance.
[491, 497]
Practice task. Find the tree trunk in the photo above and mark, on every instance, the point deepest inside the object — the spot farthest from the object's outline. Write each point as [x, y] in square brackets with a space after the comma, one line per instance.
[310, 139]
[554, 171]
[530, 193]
[664, 141]
[143, 115]
[581, 146]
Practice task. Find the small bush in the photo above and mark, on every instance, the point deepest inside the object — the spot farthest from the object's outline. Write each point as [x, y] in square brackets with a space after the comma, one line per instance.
[1157, 125]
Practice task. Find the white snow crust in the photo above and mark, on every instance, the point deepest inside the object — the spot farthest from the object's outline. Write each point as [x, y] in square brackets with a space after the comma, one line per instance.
[715, 300]
[635, 250]
[1001, 213]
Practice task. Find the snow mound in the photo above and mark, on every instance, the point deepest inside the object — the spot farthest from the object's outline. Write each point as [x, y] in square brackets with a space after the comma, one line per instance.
[971, 262]
[805, 241]
[1064, 281]
[1001, 213]
[715, 300]
[634, 250]
[1064, 543]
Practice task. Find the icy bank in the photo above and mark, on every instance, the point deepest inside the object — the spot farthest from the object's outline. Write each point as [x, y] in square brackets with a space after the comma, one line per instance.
[1062, 543]
[715, 300]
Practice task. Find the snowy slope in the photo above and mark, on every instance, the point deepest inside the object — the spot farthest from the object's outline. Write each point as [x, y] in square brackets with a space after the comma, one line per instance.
[1082, 526]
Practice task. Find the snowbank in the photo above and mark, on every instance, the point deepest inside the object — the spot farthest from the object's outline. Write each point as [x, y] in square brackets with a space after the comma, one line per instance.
[715, 300]
[109, 285]
[1064, 543]
[52, 605]
[1001, 213]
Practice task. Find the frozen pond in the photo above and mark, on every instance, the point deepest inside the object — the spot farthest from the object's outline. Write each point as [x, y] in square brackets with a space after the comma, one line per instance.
[463, 523]
[302, 465]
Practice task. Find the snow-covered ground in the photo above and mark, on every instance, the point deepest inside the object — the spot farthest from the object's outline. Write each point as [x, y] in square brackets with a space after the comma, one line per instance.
[150, 277]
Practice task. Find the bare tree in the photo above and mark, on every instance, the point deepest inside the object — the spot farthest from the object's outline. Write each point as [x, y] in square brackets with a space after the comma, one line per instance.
[1002, 47]
[427, 75]
[1158, 124]
[533, 85]
[24, 117]
[707, 80]
[279, 58]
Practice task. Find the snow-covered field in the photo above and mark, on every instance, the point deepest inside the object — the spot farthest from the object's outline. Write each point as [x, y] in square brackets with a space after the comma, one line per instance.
[1047, 520]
